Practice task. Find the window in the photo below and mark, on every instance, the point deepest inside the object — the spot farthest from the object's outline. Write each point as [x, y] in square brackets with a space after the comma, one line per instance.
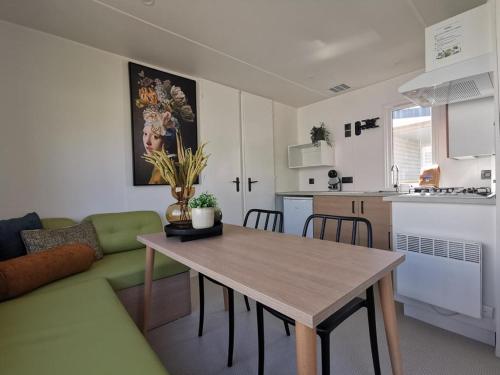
[411, 142]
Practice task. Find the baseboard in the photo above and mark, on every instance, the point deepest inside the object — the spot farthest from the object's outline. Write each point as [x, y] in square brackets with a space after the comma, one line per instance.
[454, 324]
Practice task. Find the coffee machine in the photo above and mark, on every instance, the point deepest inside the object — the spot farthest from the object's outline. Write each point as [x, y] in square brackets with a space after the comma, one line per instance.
[334, 181]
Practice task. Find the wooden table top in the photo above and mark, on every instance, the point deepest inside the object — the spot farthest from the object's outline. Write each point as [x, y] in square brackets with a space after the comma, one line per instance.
[306, 279]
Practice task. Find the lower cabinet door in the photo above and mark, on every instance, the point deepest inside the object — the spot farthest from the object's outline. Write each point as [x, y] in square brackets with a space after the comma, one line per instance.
[334, 205]
[378, 213]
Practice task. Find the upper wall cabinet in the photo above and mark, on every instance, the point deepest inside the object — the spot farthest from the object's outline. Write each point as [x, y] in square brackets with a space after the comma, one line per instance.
[471, 128]
[309, 155]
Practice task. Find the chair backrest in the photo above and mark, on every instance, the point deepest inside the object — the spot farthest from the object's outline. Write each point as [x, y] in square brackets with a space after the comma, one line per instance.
[277, 220]
[339, 220]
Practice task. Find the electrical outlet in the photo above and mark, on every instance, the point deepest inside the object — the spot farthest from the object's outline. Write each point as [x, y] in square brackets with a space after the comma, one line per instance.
[486, 174]
[488, 312]
[311, 181]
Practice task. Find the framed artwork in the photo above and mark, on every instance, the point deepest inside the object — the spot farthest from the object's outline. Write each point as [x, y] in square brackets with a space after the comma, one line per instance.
[161, 104]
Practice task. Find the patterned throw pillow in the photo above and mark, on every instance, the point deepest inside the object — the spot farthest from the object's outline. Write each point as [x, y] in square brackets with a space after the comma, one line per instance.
[44, 239]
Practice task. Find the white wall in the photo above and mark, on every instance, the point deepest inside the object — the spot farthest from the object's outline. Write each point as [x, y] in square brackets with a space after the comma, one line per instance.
[285, 133]
[65, 146]
[363, 157]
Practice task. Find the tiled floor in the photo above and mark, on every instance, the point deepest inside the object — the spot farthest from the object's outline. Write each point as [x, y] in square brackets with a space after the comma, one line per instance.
[426, 350]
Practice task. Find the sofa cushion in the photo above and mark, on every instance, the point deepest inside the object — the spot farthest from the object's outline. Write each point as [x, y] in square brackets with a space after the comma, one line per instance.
[57, 222]
[24, 274]
[123, 270]
[11, 244]
[79, 330]
[43, 239]
[117, 232]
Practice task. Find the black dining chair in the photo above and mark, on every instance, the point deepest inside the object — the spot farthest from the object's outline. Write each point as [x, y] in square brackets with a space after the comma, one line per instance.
[327, 326]
[277, 225]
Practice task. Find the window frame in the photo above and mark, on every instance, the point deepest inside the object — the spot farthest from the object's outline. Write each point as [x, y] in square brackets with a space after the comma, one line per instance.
[388, 146]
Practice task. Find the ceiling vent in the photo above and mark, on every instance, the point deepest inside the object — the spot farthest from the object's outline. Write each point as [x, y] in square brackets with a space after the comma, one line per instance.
[339, 88]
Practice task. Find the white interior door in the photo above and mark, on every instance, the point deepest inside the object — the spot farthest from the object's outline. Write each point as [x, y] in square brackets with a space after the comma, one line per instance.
[258, 154]
[220, 127]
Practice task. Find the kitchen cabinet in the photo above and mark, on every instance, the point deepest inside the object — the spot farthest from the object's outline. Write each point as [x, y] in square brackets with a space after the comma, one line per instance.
[372, 208]
[309, 155]
[238, 129]
[378, 214]
[470, 128]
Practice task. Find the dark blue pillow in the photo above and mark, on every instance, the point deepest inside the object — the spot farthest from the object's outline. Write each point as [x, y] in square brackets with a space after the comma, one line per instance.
[11, 244]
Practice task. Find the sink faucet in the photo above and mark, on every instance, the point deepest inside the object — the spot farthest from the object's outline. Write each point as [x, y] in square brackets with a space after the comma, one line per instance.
[395, 176]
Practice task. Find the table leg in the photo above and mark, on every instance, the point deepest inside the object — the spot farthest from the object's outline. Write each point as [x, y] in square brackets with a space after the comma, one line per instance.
[226, 298]
[306, 349]
[148, 283]
[391, 324]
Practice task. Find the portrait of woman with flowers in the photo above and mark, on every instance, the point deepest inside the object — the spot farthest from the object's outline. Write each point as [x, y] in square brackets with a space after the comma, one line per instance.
[162, 105]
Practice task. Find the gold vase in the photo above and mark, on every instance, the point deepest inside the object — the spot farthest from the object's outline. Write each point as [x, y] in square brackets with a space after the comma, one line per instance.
[178, 213]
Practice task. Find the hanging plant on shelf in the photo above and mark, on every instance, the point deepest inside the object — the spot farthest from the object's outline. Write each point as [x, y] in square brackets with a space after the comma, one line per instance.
[320, 133]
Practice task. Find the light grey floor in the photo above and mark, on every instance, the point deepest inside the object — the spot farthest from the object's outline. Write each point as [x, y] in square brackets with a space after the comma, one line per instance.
[426, 350]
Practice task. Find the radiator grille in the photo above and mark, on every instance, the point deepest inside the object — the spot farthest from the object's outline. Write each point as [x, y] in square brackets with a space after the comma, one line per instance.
[466, 251]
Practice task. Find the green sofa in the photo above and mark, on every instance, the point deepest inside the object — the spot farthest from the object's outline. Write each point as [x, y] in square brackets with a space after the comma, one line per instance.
[78, 325]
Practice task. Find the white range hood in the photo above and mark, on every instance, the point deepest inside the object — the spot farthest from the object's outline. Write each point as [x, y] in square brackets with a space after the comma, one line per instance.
[458, 59]
[470, 79]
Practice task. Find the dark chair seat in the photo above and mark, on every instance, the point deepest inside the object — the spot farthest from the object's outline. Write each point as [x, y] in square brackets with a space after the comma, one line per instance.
[325, 328]
[339, 316]
[276, 225]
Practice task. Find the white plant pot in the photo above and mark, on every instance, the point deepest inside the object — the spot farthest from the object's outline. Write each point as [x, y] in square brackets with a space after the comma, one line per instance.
[202, 217]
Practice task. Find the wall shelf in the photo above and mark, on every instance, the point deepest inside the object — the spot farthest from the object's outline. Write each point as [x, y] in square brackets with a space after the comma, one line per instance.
[308, 155]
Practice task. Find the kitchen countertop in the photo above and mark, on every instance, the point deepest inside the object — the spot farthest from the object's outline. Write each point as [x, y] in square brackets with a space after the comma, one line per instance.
[439, 199]
[338, 193]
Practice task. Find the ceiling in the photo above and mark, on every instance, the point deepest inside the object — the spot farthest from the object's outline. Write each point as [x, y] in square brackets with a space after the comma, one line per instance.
[291, 51]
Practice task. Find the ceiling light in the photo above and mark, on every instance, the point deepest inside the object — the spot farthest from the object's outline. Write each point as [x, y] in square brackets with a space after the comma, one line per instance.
[148, 2]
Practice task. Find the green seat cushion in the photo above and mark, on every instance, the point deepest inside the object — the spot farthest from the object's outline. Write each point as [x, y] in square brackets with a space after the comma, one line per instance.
[57, 223]
[79, 330]
[117, 232]
[123, 270]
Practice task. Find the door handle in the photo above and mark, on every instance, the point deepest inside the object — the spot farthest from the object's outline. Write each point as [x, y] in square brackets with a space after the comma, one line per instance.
[237, 182]
[362, 207]
[250, 182]
[352, 206]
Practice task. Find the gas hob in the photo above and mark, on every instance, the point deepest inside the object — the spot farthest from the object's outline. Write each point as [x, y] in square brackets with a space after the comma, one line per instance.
[452, 192]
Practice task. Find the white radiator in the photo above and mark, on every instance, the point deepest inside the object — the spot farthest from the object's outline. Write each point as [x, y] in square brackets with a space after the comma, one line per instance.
[443, 273]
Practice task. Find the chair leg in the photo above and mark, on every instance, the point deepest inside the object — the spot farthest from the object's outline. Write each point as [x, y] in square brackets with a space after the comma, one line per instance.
[287, 329]
[247, 303]
[202, 304]
[325, 354]
[373, 329]
[231, 327]
[260, 333]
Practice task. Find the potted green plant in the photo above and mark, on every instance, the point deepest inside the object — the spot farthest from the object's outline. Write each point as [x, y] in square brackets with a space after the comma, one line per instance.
[181, 174]
[203, 210]
[320, 133]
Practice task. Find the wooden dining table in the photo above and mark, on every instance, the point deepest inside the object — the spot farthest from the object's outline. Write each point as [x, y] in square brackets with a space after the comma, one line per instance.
[304, 278]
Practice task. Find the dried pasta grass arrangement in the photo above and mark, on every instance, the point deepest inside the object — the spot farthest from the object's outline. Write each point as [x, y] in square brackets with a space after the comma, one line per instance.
[180, 174]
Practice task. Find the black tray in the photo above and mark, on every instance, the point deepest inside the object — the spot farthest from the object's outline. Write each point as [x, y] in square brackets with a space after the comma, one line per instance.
[190, 234]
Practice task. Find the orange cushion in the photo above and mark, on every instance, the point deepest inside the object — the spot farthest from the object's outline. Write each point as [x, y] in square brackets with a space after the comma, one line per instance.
[23, 274]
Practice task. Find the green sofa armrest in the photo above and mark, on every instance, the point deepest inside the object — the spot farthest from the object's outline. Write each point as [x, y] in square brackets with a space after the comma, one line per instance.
[117, 232]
